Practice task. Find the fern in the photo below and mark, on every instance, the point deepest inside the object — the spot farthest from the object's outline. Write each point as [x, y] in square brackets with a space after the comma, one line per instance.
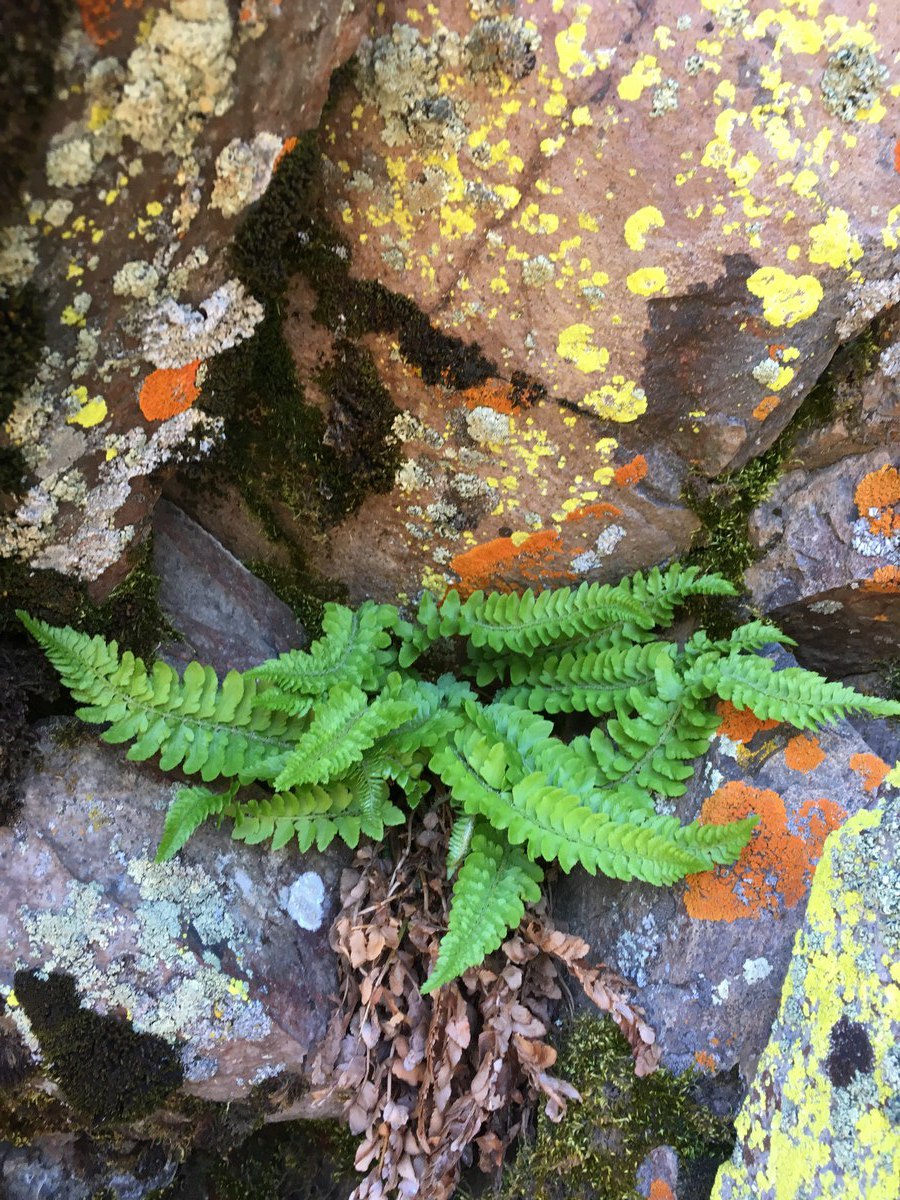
[488, 900]
[340, 733]
[192, 722]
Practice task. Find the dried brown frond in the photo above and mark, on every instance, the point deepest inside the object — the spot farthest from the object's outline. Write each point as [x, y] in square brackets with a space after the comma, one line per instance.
[432, 1084]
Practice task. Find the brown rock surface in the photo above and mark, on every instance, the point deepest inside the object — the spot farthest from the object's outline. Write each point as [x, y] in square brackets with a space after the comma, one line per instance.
[651, 222]
[223, 952]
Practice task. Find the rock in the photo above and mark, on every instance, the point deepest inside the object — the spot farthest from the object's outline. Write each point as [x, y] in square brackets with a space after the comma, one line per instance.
[709, 956]
[140, 118]
[204, 952]
[225, 615]
[829, 573]
[657, 1176]
[478, 225]
[522, 217]
[62, 1167]
[822, 1114]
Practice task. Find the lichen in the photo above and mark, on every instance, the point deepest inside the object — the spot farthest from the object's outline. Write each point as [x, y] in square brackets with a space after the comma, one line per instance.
[820, 1118]
[177, 334]
[178, 77]
[243, 172]
[852, 81]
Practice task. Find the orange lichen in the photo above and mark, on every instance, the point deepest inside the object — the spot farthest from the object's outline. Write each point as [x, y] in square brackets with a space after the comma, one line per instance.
[877, 498]
[484, 566]
[775, 868]
[632, 472]
[740, 725]
[103, 19]
[594, 510]
[884, 579]
[169, 391]
[872, 769]
[493, 393]
[803, 753]
[767, 405]
[660, 1190]
[706, 1061]
[287, 146]
[897, 155]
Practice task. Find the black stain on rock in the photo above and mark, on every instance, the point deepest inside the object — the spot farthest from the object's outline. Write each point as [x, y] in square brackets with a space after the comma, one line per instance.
[851, 1052]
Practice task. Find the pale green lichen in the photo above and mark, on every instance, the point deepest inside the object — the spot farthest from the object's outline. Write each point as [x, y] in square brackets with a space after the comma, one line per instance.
[198, 1003]
[852, 81]
[243, 171]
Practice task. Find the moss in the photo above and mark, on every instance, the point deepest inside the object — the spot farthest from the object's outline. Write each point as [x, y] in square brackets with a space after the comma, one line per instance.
[724, 505]
[130, 614]
[299, 470]
[27, 686]
[21, 341]
[301, 590]
[29, 32]
[106, 1071]
[27, 1113]
[297, 1160]
[596, 1149]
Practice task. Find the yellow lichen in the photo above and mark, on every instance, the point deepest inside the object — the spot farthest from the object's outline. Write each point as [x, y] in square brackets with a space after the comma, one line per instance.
[786, 298]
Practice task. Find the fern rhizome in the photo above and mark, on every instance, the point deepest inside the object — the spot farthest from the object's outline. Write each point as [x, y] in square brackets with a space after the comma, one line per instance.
[337, 733]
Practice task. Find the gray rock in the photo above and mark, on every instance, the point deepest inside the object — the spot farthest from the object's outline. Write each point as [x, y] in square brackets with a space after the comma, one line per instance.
[226, 616]
[830, 572]
[822, 1118]
[200, 951]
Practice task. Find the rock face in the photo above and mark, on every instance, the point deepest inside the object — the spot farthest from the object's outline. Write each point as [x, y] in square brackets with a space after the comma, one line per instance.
[586, 194]
[159, 135]
[709, 957]
[225, 615]
[821, 1116]
[649, 213]
[830, 570]
[222, 953]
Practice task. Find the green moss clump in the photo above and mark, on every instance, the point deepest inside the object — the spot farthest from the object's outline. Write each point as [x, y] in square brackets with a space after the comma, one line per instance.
[107, 1072]
[595, 1151]
[724, 505]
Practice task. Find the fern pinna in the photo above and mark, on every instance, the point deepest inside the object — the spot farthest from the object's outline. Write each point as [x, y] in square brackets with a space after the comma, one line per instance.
[323, 743]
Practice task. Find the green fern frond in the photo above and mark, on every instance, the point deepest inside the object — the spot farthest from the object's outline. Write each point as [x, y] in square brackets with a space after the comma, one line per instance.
[799, 697]
[593, 682]
[192, 722]
[187, 812]
[489, 899]
[314, 816]
[524, 623]
[652, 741]
[343, 727]
[337, 730]
[356, 645]
[755, 635]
